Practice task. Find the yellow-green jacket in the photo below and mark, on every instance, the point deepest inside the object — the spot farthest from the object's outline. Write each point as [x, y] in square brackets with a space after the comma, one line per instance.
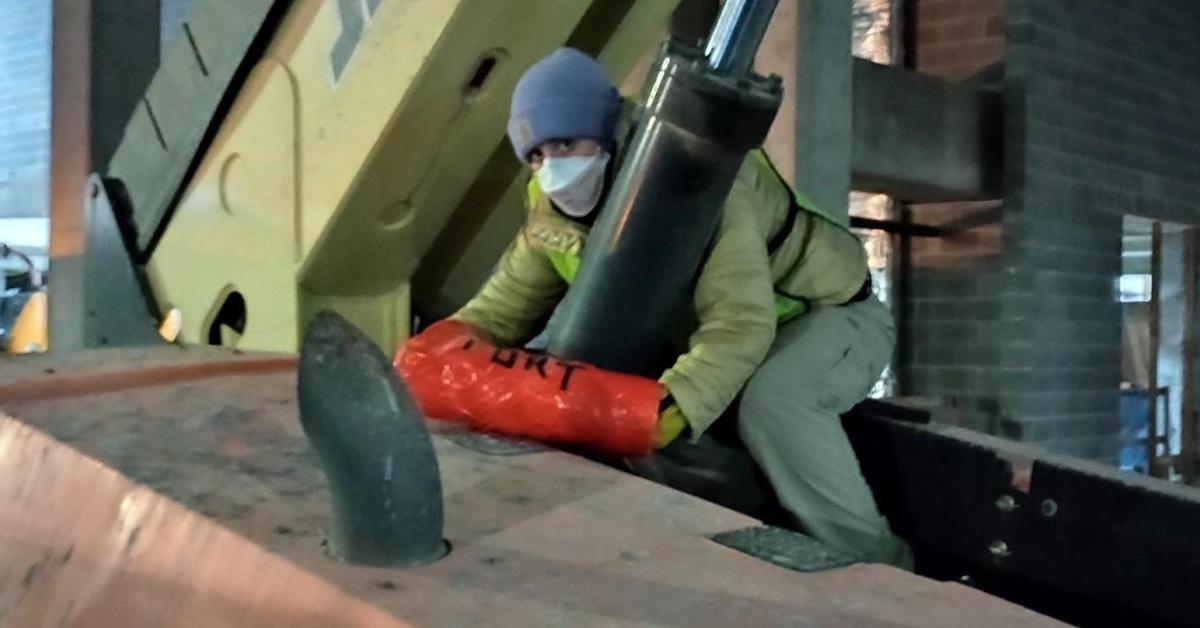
[743, 292]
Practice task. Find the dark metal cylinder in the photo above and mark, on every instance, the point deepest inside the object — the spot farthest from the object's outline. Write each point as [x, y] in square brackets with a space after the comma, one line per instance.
[374, 448]
[650, 238]
[737, 34]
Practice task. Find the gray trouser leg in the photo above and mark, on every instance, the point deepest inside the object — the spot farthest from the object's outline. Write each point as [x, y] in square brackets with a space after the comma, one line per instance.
[819, 367]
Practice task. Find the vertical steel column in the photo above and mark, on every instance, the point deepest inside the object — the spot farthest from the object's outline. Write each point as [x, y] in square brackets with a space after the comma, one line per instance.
[824, 103]
[104, 54]
[1187, 404]
[1155, 324]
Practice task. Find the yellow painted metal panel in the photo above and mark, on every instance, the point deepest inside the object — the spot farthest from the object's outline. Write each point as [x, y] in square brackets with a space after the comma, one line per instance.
[235, 228]
[350, 148]
[416, 169]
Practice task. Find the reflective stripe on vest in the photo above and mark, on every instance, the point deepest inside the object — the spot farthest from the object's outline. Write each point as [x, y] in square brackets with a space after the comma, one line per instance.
[786, 307]
[565, 264]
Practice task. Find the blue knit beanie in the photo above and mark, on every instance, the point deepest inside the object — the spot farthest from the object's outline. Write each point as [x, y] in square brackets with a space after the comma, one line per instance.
[566, 95]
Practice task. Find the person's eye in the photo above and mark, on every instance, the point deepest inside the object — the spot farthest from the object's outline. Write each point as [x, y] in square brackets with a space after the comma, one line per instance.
[566, 145]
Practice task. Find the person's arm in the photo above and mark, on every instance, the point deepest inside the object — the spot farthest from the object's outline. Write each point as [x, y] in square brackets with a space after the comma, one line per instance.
[518, 297]
[735, 305]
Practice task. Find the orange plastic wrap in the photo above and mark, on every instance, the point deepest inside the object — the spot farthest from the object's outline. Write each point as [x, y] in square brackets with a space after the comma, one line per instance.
[456, 375]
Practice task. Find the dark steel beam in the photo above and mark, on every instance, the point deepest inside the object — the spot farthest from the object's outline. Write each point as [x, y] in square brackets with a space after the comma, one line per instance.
[1084, 542]
[896, 226]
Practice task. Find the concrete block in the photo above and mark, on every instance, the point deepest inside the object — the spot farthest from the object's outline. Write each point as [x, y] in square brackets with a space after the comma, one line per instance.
[958, 380]
[1056, 355]
[951, 332]
[930, 353]
[1062, 427]
[1098, 448]
[917, 380]
[922, 139]
[1030, 404]
[825, 131]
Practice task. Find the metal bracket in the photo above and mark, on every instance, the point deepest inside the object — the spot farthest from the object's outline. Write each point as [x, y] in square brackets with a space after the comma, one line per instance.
[118, 308]
[784, 548]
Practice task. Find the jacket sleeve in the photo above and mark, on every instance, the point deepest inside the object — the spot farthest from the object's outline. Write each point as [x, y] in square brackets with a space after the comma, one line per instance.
[735, 306]
[518, 297]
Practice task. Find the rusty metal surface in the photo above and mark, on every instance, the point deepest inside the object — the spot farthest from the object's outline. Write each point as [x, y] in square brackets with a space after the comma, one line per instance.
[59, 386]
[540, 538]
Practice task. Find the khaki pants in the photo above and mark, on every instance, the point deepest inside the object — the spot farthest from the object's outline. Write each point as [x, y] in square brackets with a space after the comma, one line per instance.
[820, 366]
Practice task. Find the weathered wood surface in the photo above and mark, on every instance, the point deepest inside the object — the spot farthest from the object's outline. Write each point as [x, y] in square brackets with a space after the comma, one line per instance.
[539, 538]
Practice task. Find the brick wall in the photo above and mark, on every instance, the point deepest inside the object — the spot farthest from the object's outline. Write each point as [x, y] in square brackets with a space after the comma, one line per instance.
[1018, 319]
[24, 108]
[1103, 102]
[952, 287]
[957, 38]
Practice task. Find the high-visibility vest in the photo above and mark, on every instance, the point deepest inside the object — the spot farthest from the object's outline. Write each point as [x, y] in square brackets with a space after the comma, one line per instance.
[566, 263]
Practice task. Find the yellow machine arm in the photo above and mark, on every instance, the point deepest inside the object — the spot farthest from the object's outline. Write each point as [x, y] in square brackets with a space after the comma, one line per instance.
[359, 146]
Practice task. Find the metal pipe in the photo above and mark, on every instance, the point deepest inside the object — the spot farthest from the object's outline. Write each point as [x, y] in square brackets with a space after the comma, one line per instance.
[374, 448]
[737, 34]
[648, 243]
[702, 113]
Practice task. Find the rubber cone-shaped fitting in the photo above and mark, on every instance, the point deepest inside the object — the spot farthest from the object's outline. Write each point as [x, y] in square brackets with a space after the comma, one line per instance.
[374, 447]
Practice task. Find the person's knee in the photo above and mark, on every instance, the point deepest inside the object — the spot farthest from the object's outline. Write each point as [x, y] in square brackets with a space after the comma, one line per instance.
[780, 397]
[791, 431]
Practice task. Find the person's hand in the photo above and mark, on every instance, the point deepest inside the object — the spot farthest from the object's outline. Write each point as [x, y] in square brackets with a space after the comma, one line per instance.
[671, 424]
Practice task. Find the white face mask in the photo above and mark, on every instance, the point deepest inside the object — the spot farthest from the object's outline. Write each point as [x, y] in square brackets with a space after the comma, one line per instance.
[574, 183]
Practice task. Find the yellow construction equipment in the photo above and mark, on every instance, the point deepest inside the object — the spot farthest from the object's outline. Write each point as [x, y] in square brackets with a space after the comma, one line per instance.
[325, 187]
[29, 326]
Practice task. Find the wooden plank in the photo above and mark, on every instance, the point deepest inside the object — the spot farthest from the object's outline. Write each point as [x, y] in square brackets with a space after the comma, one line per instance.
[52, 386]
[538, 538]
